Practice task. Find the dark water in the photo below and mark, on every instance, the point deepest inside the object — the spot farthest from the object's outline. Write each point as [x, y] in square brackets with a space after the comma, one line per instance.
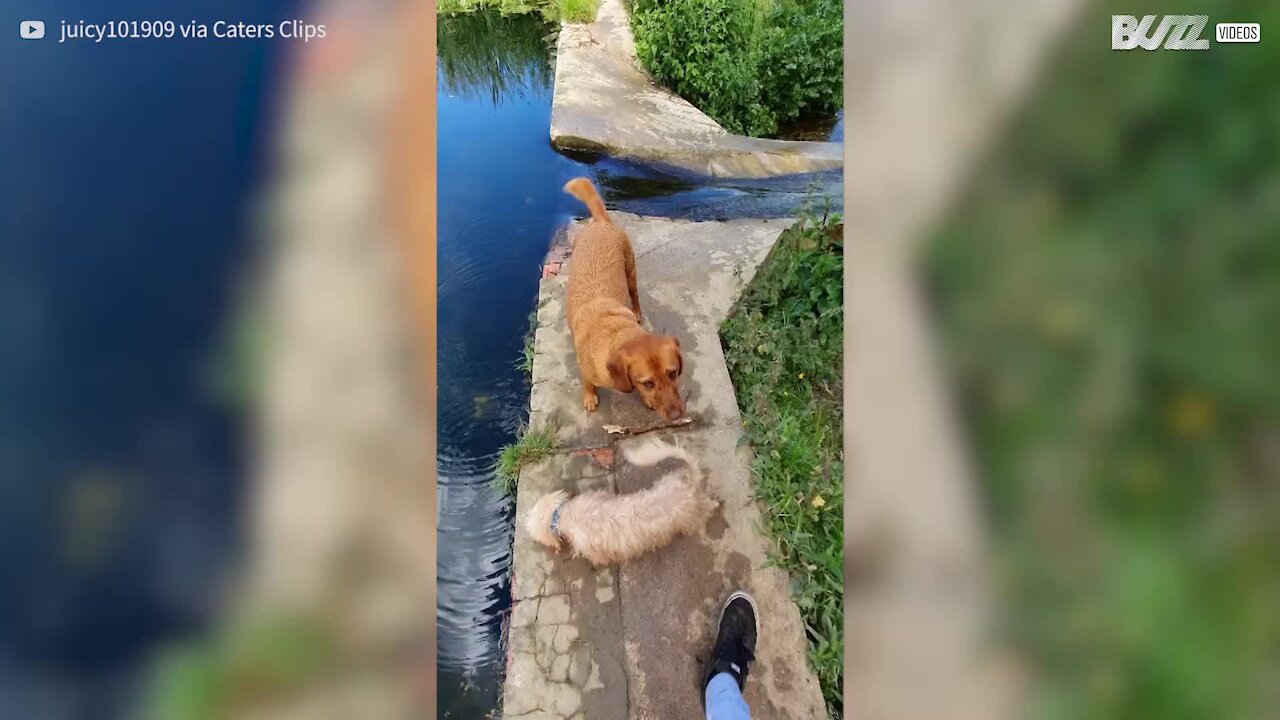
[499, 204]
[831, 128]
[126, 167]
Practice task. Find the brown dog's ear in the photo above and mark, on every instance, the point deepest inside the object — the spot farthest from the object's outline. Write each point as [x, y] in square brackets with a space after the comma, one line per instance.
[618, 372]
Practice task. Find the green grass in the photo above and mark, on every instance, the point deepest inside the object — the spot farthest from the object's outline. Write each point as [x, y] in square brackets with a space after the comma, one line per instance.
[783, 346]
[1108, 299]
[579, 11]
[531, 445]
[506, 7]
[251, 664]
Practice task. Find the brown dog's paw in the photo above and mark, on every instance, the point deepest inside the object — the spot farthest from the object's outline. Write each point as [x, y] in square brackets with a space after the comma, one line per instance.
[590, 400]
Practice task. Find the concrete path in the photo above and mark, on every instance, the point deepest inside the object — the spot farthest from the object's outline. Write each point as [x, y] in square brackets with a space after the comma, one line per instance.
[605, 103]
[632, 642]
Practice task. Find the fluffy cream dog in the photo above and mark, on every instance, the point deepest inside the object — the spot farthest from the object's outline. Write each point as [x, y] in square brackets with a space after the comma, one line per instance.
[608, 529]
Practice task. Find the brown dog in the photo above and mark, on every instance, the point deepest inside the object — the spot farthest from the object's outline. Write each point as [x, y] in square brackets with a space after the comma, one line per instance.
[604, 317]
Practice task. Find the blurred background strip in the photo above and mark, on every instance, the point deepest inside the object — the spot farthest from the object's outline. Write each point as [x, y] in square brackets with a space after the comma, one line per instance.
[412, 194]
[344, 518]
[1063, 310]
[334, 605]
[929, 84]
[129, 192]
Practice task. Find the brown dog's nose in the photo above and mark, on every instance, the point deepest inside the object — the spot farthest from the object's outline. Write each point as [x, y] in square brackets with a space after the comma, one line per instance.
[674, 413]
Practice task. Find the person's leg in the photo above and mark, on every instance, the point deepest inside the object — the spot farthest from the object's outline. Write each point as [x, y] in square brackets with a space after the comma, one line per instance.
[731, 658]
[724, 699]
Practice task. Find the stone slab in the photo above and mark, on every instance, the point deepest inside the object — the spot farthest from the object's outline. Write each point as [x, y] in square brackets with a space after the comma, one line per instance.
[604, 102]
[564, 641]
[672, 599]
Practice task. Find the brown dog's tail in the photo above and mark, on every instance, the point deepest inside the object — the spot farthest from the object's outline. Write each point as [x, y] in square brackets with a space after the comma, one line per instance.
[582, 189]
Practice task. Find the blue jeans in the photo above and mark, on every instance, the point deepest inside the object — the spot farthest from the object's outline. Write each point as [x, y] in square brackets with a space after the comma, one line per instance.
[724, 699]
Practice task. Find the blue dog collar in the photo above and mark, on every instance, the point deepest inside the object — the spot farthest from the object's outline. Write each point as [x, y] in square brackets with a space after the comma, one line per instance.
[555, 519]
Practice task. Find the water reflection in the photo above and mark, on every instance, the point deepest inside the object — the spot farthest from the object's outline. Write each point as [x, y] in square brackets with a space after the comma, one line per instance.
[486, 55]
[499, 202]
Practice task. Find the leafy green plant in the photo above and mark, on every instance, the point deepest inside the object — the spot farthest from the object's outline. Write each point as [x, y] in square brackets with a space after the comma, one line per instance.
[783, 347]
[531, 445]
[802, 59]
[707, 51]
[748, 64]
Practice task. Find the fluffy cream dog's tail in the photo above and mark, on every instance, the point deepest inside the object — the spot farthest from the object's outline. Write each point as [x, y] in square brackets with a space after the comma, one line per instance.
[608, 529]
[654, 451]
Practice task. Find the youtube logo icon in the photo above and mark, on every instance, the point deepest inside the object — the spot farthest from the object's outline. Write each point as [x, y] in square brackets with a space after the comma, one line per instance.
[31, 29]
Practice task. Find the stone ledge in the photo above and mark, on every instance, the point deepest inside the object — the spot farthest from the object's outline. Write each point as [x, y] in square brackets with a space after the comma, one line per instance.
[604, 102]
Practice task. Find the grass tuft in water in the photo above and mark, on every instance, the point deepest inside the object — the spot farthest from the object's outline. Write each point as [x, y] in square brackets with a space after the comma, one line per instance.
[525, 363]
[531, 445]
[783, 346]
[235, 375]
[253, 663]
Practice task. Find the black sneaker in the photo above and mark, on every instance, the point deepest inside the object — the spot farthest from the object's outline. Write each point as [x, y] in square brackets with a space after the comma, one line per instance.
[736, 635]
